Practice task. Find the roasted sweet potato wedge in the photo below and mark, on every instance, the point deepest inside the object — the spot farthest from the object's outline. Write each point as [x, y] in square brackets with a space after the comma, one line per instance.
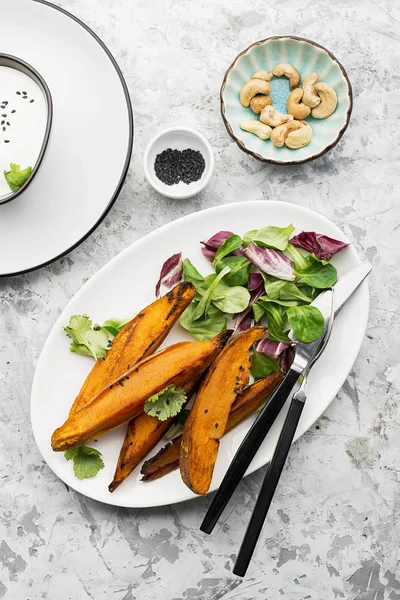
[138, 339]
[209, 415]
[142, 434]
[124, 398]
[167, 459]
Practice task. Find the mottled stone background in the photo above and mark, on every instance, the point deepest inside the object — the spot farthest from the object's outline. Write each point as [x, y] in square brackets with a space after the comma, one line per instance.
[333, 530]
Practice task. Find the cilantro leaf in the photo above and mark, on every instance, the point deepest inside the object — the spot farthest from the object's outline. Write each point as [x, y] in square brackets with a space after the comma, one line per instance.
[87, 339]
[177, 425]
[16, 177]
[87, 461]
[165, 404]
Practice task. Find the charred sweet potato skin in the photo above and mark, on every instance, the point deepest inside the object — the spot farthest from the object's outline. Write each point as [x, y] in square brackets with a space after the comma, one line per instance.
[124, 398]
[138, 339]
[251, 399]
[209, 415]
[142, 434]
[167, 459]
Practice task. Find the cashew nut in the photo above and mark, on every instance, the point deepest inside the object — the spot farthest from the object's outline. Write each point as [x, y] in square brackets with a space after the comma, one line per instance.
[272, 117]
[295, 106]
[251, 88]
[279, 134]
[328, 101]
[310, 98]
[288, 71]
[301, 137]
[259, 102]
[260, 129]
[264, 75]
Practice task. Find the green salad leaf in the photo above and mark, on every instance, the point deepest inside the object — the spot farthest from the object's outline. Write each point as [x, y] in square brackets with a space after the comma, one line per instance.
[275, 321]
[16, 177]
[286, 290]
[307, 322]
[270, 237]
[318, 275]
[258, 311]
[249, 237]
[300, 262]
[263, 365]
[231, 300]
[239, 270]
[190, 273]
[87, 339]
[207, 326]
[165, 404]
[87, 461]
[177, 425]
[115, 325]
[211, 283]
[231, 244]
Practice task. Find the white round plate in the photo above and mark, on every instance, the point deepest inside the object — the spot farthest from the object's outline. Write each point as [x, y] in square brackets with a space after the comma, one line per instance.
[123, 287]
[90, 144]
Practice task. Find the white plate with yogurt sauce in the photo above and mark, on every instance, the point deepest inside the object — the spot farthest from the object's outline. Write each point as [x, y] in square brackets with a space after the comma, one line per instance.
[126, 285]
[90, 146]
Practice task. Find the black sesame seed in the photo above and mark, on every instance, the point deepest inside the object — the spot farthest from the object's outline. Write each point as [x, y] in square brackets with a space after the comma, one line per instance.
[216, 425]
[18, 93]
[167, 402]
[24, 93]
[4, 128]
[8, 123]
[96, 328]
[3, 115]
[2, 123]
[6, 141]
[31, 101]
[206, 411]
[13, 111]
[173, 166]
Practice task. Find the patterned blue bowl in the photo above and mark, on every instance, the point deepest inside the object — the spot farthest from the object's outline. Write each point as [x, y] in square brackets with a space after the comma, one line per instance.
[307, 57]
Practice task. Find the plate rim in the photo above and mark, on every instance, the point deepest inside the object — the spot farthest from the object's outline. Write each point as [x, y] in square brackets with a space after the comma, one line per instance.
[128, 155]
[254, 465]
[274, 161]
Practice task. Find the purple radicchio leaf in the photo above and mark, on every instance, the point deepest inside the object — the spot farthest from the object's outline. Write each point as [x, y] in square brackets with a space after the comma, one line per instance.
[256, 287]
[322, 246]
[286, 357]
[212, 245]
[171, 273]
[244, 319]
[271, 348]
[272, 262]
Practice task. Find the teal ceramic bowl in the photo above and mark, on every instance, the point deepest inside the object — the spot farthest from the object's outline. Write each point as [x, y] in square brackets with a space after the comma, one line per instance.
[307, 57]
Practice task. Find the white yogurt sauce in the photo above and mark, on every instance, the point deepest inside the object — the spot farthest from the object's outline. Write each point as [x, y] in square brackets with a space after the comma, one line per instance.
[27, 124]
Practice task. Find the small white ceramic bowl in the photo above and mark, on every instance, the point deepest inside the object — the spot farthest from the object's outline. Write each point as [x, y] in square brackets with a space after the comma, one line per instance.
[178, 138]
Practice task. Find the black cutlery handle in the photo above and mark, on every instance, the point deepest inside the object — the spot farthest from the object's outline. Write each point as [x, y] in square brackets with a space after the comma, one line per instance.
[248, 449]
[268, 487]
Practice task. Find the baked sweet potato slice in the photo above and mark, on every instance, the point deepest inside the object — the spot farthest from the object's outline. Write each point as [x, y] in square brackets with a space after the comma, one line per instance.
[138, 338]
[209, 415]
[142, 434]
[124, 398]
[167, 459]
